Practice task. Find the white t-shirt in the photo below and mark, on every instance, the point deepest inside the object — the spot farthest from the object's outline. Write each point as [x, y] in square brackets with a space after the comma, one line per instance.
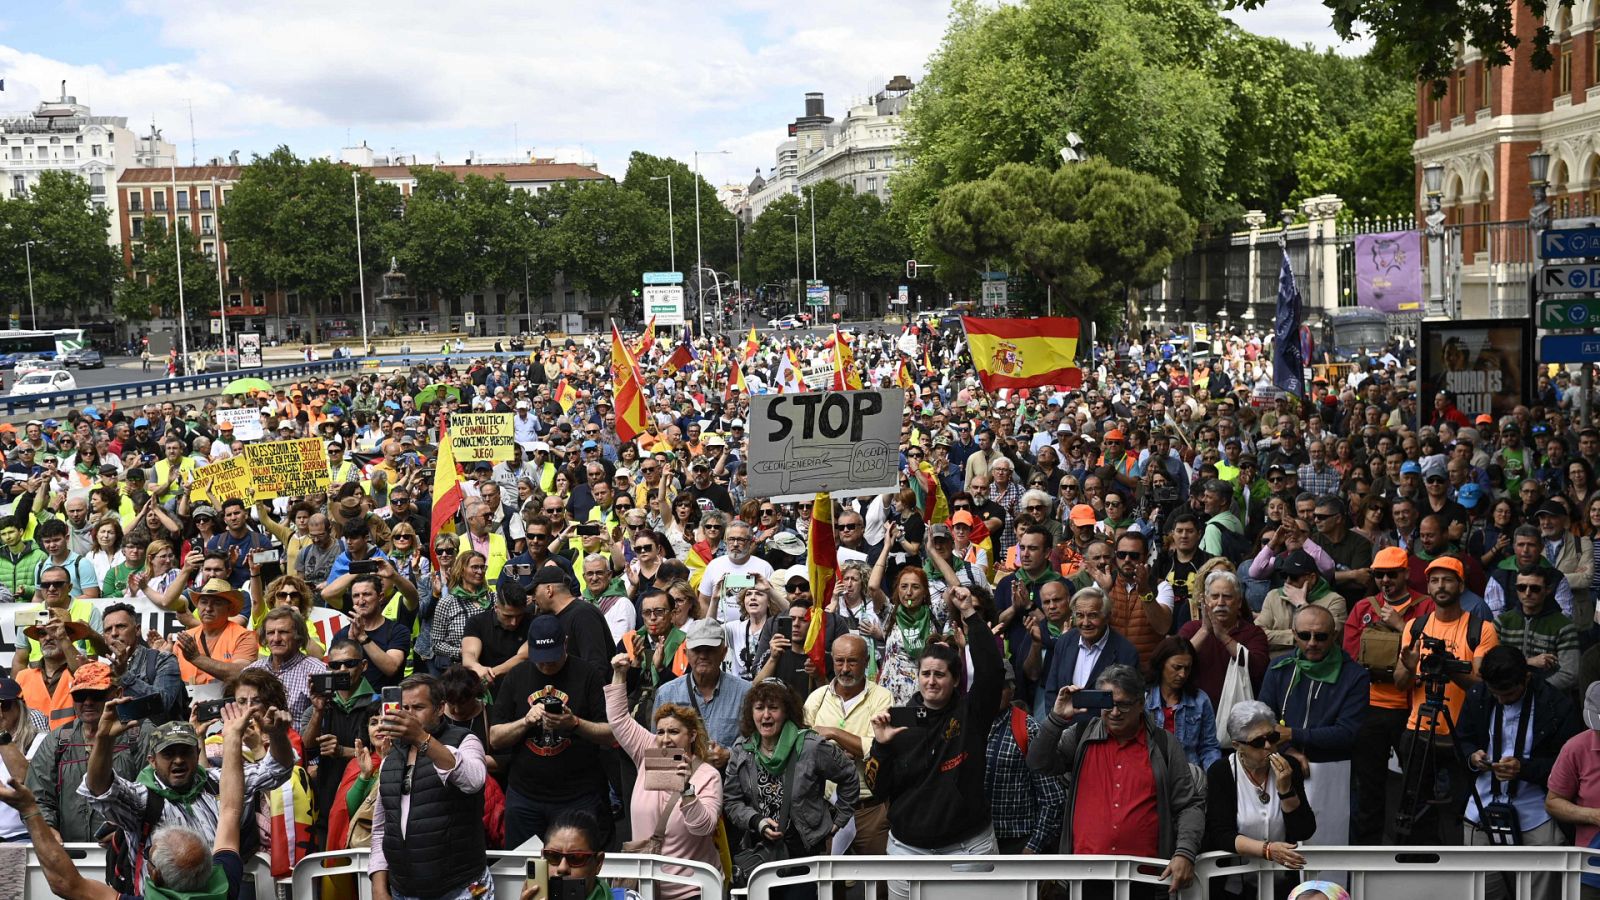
[727, 608]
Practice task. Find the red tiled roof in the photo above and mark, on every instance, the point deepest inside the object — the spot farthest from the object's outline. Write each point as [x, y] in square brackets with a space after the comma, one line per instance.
[185, 174]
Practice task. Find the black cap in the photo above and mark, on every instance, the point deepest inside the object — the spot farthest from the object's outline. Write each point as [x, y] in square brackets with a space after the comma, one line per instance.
[1297, 563]
[550, 575]
[1551, 508]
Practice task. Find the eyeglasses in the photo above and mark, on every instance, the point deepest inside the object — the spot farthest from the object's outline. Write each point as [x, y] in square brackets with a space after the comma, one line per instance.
[1129, 554]
[337, 664]
[769, 512]
[1260, 743]
[1310, 636]
[576, 858]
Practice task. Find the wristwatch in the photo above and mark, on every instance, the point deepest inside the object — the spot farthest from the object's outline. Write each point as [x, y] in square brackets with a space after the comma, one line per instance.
[688, 787]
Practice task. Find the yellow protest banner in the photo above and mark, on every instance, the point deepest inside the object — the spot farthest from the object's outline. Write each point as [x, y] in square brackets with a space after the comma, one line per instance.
[481, 436]
[294, 468]
[223, 480]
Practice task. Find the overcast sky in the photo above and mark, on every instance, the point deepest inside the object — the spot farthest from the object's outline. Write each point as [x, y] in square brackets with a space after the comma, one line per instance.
[496, 79]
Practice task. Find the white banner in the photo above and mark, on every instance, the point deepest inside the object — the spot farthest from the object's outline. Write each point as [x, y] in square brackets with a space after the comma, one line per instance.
[324, 622]
[246, 422]
[249, 351]
[844, 442]
[664, 304]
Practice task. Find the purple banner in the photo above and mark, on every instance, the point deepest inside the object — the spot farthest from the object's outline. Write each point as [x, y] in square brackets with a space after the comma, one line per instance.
[1389, 271]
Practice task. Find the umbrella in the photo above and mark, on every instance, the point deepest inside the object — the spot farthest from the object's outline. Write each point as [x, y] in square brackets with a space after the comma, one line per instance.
[435, 392]
[247, 385]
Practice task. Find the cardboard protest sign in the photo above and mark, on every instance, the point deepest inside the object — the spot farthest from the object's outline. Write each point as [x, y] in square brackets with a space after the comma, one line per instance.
[843, 442]
[223, 480]
[481, 436]
[292, 468]
[246, 422]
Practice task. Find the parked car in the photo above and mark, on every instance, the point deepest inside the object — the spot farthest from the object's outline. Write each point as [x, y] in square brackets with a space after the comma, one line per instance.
[44, 382]
[26, 364]
[83, 358]
[786, 323]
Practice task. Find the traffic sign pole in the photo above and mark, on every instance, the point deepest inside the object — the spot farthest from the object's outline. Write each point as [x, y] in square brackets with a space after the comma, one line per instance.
[1570, 241]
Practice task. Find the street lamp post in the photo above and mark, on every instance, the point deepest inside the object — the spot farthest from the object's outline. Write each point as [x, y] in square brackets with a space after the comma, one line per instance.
[33, 311]
[672, 232]
[222, 305]
[798, 310]
[699, 259]
[361, 270]
[177, 250]
[1432, 180]
[738, 270]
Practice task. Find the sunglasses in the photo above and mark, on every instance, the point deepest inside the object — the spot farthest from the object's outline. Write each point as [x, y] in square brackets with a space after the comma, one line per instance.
[644, 548]
[1260, 743]
[292, 595]
[1527, 588]
[1388, 573]
[337, 664]
[577, 858]
[443, 551]
[54, 585]
[1317, 636]
[1129, 554]
[405, 537]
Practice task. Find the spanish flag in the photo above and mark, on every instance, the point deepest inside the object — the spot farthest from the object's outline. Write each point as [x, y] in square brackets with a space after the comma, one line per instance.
[822, 569]
[648, 340]
[447, 494]
[845, 377]
[736, 383]
[1018, 353]
[902, 377]
[629, 394]
[927, 362]
[565, 395]
[751, 345]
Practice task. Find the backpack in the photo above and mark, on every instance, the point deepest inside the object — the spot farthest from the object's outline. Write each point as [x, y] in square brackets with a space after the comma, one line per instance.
[1474, 629]
[1235, 547]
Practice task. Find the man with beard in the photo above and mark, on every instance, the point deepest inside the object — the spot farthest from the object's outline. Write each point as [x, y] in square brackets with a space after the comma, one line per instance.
[59, 764]
[1466, 637]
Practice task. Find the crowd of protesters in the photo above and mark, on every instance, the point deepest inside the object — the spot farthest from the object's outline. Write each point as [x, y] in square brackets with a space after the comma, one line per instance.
[1151, 617]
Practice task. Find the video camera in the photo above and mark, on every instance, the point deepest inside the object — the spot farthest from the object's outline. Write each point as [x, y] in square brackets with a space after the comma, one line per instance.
[1438, 663]
[326, 683]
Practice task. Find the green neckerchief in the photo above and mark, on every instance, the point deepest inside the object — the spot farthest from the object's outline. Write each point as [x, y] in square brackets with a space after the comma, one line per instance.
[362, 694]
[91, 469]
[478, 599]
[1510, 562]
[216, 886]
[1044, 578]
[1321, 588]
[1325, 671]
[933, 573]
[1119, 523]
[788, 739]
[600, 891]
[674, 639]
[920, 621]
[147, 777]
[1052, 628]
[616, 588]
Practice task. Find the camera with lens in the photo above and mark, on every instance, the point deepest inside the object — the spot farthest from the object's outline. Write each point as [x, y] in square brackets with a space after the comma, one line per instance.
[1438, 663]
[327, 683]
[1164, 495]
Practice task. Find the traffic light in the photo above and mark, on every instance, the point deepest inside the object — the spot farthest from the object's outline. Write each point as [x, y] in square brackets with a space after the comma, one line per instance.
[911, 268]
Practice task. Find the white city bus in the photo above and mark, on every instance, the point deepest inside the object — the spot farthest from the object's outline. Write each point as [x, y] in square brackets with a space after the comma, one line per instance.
[45, 344]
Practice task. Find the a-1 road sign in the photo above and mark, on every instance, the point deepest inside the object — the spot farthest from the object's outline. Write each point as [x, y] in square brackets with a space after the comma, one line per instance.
[1569, 348]
[1569, 243]
[1569, 314]
[1583, 279]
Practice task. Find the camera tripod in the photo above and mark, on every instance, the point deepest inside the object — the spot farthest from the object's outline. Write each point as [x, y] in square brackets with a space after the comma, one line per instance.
[1421, 760]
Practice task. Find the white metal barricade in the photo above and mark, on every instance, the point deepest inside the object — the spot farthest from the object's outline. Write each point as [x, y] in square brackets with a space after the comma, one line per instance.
[90, 860]
[1419, 873]
[954, 877]
[509, 868]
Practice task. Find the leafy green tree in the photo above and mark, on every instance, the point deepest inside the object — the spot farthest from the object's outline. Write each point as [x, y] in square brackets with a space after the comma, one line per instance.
[1368, 163]
[1419, 37]
[153, 289]
[291, 223]
[74, 269]
[771, 245]
[601, 236]
[716, 221]
[1091, 231]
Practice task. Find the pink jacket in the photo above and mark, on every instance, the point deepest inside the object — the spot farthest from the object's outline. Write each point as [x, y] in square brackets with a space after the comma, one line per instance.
[691, 831]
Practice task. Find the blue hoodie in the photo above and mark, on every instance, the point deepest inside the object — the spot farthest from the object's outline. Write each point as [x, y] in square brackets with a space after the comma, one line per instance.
[1328, 730]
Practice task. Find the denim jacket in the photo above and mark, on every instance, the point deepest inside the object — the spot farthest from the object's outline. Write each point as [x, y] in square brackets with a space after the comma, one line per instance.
[1196, 725]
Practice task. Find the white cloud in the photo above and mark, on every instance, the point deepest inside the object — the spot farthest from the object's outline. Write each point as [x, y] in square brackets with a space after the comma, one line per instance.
[1298, 22]
[588, 81]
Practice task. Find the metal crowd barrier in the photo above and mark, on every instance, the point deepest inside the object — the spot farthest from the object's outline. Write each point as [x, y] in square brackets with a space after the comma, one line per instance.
[1419, 873]
[961, 878]
[509, 868]
[165, 387]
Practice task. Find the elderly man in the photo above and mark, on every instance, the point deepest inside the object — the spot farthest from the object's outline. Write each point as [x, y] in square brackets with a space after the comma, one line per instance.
[1131, 792]
[1082, 653]
[285, 635]
[718, 696]
[1526, 550]
[218, 648]
[841, 711]
[1320, 697]
[739, 561]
